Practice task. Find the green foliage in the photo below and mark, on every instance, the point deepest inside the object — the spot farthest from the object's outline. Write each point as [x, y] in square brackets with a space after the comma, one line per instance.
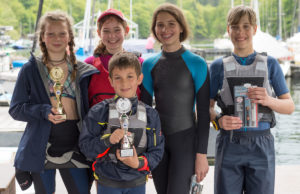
[206, 18]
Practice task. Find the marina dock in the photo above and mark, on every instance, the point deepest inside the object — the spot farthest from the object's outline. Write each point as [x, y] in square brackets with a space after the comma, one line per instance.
[287, 176]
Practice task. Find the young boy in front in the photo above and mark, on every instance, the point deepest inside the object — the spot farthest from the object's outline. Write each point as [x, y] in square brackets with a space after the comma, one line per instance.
[245, 157]
[101, 136]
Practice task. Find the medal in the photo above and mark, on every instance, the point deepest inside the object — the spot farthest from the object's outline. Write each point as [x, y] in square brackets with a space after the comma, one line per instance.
[57, 74]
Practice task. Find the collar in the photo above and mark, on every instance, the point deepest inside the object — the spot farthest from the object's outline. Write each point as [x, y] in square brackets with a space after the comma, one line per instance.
[175, 53]
[245, 60]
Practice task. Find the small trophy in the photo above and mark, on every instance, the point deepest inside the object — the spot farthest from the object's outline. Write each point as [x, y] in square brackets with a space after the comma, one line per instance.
[123, 106]
[195, 187]
[57, 74]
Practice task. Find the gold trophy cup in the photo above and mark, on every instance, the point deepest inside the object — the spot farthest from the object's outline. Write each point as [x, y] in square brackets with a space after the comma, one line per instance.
[57, 75]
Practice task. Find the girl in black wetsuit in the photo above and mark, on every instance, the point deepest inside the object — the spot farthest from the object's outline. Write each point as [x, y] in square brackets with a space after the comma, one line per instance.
[179, 80]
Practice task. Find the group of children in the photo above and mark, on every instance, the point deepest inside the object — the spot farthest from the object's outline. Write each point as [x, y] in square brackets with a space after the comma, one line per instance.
[171, 140]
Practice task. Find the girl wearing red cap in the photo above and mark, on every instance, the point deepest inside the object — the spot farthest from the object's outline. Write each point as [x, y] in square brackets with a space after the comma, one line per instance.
[112, 29]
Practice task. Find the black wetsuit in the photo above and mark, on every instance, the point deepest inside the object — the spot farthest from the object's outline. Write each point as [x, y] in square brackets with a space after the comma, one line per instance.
[179, 82]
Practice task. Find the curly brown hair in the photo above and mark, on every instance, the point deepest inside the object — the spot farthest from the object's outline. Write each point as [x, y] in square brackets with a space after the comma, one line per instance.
[54, 16]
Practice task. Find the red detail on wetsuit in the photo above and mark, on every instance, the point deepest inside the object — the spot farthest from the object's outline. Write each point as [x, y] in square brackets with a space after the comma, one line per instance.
[99, 87]
[145, 167]
[99, 156]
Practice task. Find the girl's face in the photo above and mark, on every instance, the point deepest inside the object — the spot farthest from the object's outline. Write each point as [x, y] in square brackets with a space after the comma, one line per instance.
[241, 36]
[168, 30]
[56, 37]
[112, 34]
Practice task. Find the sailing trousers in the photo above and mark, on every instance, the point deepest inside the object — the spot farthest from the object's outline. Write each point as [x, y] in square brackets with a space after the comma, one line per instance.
[173, 174]
[245, 162]
[75, 179]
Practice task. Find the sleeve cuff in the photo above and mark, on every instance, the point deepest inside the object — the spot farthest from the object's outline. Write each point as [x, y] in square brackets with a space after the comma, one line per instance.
[105, 138]
[47, 112]
[143, 164]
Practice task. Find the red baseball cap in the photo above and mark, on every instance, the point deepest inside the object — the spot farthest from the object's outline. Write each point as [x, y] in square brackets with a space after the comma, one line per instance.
[111, 12]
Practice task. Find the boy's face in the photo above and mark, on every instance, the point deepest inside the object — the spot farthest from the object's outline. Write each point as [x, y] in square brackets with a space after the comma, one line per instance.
[241, 35]
[125, 81]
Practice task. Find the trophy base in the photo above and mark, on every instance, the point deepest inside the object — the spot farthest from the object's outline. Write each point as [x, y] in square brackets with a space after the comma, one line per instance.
[126, 152]
[62, 117]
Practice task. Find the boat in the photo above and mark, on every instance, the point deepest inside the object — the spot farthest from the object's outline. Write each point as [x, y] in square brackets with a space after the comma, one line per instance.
[5, 97]
[294, 44]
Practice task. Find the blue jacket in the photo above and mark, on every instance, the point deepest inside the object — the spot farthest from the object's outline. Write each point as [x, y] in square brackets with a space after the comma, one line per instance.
[91, 145]
[31, 103]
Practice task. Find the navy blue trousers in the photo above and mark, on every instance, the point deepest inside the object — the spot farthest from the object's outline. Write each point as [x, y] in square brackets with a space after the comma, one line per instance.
[75, 179]
[245, 163]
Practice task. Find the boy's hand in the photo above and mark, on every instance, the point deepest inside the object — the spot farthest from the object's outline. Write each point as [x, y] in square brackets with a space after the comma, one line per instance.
[54, 118]
[259, 95]
[132, 161]
[116, 136]
[230, 123]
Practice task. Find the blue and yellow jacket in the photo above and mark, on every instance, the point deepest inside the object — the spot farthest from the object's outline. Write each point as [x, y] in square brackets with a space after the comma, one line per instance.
[113, 174]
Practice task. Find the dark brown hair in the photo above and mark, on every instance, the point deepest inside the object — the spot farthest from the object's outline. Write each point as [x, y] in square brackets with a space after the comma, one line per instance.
[236, 13]
[101, 49]
[177, 13]
[57, 16]
[124, 60]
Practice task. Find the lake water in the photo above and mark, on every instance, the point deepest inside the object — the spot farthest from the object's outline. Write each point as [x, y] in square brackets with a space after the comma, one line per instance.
[287, 130]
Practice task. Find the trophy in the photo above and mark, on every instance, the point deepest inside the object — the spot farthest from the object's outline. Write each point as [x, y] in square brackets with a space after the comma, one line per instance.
[57, 74]
[195, 187]
[123, 106]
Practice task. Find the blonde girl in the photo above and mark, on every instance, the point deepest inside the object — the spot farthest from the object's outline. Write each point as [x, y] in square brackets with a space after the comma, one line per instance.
[51, 135]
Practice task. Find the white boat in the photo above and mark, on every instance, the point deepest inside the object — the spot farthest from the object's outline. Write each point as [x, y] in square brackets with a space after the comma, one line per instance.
[294, 44]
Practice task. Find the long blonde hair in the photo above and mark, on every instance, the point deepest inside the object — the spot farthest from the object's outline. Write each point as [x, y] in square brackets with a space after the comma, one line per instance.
[60, 16]
[101, 49]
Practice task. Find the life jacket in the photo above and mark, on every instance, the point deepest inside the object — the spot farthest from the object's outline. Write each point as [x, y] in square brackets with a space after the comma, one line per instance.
[99, 87]
[137, 126]
[236, 74]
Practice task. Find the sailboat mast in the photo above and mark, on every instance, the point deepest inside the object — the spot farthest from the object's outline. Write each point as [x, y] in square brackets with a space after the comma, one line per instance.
[298, 16]
[279, 34]
[131, 35]
[41, 2]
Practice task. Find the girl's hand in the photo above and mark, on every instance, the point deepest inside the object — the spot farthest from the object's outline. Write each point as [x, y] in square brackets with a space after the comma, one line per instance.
[259, 95]
[116, 136]
[230, 123]
[54, 117]
[132, 161]
[201, 166]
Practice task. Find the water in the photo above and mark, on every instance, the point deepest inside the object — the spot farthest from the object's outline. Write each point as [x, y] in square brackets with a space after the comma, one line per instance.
[287, 130]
